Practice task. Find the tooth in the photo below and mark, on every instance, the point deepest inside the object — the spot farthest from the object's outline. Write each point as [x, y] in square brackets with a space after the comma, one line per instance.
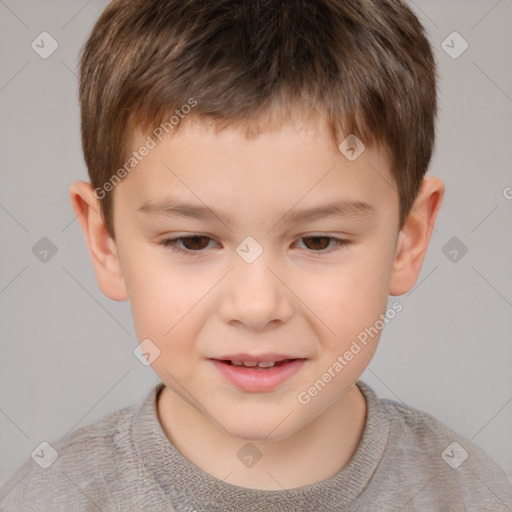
[247, 363]
[266, 365]
[237, 363]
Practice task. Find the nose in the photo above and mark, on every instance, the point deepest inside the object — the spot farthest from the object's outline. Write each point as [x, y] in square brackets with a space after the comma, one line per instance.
[256, 296]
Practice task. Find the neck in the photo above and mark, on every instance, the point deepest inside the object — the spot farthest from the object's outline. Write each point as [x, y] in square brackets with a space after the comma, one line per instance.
[326, 444]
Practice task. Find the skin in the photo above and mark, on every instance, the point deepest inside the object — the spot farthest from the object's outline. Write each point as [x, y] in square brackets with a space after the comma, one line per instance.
[295, 298]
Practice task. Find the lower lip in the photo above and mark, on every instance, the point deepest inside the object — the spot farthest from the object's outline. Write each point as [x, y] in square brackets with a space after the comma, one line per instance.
[251, 379]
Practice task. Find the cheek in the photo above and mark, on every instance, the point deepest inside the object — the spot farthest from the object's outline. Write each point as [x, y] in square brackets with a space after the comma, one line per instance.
[168, 314]
[348, 301]
[163, 302]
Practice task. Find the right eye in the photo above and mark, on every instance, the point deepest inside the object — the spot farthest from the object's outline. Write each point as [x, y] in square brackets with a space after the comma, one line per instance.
[195, 243]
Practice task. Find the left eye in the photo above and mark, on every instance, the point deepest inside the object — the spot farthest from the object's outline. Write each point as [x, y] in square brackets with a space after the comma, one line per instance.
[196, 243]
[320, 240]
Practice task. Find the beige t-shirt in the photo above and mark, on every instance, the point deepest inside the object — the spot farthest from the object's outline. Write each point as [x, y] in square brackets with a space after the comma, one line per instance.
[406, 460]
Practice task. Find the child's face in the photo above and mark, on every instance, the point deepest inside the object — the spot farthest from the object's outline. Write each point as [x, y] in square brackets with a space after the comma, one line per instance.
[303, 297]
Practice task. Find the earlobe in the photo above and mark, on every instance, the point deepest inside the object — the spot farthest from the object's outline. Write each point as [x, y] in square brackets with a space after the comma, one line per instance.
[102, 248]
[415, 236]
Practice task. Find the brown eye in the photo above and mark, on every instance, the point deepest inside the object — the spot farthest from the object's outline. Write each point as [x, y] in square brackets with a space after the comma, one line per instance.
[187, 244]
[319, 243]
[195, 243]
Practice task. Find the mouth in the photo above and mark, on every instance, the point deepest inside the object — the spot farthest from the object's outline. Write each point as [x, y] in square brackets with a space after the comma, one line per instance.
[253, 375]
[258, 365]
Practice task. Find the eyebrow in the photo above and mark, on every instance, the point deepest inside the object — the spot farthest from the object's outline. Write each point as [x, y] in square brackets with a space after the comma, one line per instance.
[340, 209]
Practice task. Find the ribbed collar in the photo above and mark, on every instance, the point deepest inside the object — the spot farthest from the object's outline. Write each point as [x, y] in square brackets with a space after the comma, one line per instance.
[189, 486]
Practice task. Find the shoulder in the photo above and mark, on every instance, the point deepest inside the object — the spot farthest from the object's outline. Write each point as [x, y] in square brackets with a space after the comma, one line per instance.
[432, 464]
[79, 468]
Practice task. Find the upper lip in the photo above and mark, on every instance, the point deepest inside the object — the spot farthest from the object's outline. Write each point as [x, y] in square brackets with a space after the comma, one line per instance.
[261, 358]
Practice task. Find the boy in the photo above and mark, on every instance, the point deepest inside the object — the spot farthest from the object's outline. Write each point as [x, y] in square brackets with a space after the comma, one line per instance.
[257, 192]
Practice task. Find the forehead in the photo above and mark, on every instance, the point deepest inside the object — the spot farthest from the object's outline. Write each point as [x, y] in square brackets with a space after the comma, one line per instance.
[290, 164]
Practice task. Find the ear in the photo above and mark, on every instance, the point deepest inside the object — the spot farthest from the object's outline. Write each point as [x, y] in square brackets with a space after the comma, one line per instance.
[415, 236]
[102, 248]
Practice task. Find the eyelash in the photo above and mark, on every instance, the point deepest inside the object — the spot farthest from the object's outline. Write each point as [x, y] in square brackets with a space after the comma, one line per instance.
[172, 244]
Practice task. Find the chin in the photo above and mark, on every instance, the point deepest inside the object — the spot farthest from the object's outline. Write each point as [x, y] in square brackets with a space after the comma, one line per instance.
[262, 429]
[257, 436]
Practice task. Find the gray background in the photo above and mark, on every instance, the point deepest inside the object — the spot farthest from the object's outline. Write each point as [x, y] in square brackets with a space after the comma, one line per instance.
[67, 350]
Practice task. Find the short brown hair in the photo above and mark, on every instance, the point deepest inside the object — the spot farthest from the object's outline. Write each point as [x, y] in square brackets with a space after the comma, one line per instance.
[365, 66]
